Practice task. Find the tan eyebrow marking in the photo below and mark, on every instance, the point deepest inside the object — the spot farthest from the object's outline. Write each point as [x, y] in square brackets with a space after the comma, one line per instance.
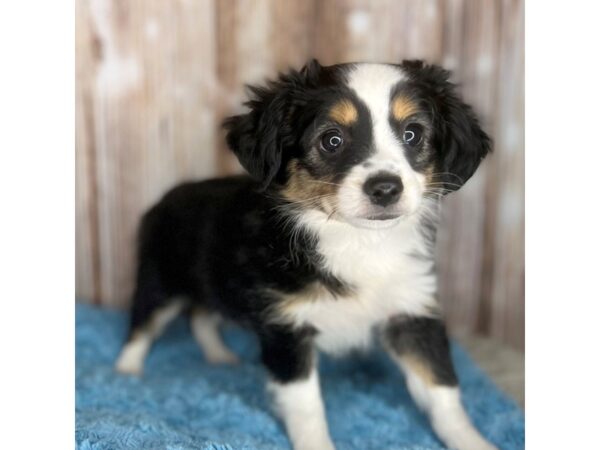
[344, 112]
[402, 107]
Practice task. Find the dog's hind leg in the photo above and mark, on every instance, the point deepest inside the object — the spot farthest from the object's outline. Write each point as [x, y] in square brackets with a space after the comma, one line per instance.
[205, 327]
[132, 357]
[151, 312]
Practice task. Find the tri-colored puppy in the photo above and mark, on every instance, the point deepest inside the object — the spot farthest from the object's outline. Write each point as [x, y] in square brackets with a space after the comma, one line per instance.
[329, 245]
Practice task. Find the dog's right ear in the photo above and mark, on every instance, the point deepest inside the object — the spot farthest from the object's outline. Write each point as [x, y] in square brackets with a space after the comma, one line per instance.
[259, 137]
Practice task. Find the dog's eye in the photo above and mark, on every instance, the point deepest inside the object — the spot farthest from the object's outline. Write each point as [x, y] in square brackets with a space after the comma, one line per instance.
[413, 133]
[331, 141]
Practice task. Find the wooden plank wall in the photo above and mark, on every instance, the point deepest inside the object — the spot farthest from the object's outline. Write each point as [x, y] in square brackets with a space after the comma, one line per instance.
[154, 79]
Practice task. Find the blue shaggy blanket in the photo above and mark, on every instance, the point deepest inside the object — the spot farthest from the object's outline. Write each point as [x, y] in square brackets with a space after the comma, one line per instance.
[181, 402]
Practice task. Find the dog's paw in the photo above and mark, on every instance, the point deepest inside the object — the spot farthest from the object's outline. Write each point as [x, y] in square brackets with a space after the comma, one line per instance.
[315, 444]
[128, 366]
[471, 440]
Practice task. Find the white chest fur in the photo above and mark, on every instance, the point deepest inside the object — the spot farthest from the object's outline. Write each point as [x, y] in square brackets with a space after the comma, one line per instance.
[385, 275]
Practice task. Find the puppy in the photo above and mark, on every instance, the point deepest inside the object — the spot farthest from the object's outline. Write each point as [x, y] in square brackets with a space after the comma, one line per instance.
[328, 245]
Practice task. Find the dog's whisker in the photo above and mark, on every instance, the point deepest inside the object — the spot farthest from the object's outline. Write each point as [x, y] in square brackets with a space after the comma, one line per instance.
[303, 202]
[440, 174]
[323, 182]
[443, 183]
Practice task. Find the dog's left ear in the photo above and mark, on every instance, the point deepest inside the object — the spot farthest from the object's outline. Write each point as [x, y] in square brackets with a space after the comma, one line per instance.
[260, 137]
[457, 135]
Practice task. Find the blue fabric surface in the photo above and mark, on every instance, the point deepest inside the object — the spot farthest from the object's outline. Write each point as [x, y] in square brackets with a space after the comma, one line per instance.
[181, 402]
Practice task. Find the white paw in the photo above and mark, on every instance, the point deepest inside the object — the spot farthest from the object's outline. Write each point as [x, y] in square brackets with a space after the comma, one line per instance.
[451, 423]
[469, 440]
[128, 365]
[479, 444]
[314, 444]
[131, 360]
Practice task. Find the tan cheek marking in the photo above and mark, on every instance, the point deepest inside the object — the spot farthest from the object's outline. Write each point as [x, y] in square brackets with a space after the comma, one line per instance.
[302, 187]
[403, 107]
[344, 113]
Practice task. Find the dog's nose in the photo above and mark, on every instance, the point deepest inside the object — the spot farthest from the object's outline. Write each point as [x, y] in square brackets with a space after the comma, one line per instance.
[383, 190]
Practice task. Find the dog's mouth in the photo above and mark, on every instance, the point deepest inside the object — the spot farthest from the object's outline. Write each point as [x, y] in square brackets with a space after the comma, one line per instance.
[384, 216]
[375, 221]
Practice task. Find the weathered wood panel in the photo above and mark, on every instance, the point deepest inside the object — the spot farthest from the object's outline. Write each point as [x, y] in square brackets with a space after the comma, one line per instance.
[152, 112]
[86, 252]
[155, 78]
[506, 259]
[471, 30]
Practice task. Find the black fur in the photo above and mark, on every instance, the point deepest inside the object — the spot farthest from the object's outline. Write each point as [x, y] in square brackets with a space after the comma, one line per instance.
[424, 339]
[221, 243]
[281, 124]
[227, 244]
[287, 353]
[457, 137]
[268, 135]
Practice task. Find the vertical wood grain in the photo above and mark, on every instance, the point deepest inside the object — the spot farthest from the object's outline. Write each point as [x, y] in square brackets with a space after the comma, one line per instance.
[246, 57]
[152, 117]
[506, 231]
[155, 79]
[87, 273]
[292, 32]
[228, 86]
[471, 34]
[331, 31]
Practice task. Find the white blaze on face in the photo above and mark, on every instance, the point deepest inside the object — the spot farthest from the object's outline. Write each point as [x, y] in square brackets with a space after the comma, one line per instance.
[373, 84]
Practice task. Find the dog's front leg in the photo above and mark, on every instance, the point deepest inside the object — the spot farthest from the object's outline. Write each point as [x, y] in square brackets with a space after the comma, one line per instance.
[294, 383]
[420, 347]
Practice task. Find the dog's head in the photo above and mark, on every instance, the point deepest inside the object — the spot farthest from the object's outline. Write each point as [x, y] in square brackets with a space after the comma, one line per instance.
[364, 143]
